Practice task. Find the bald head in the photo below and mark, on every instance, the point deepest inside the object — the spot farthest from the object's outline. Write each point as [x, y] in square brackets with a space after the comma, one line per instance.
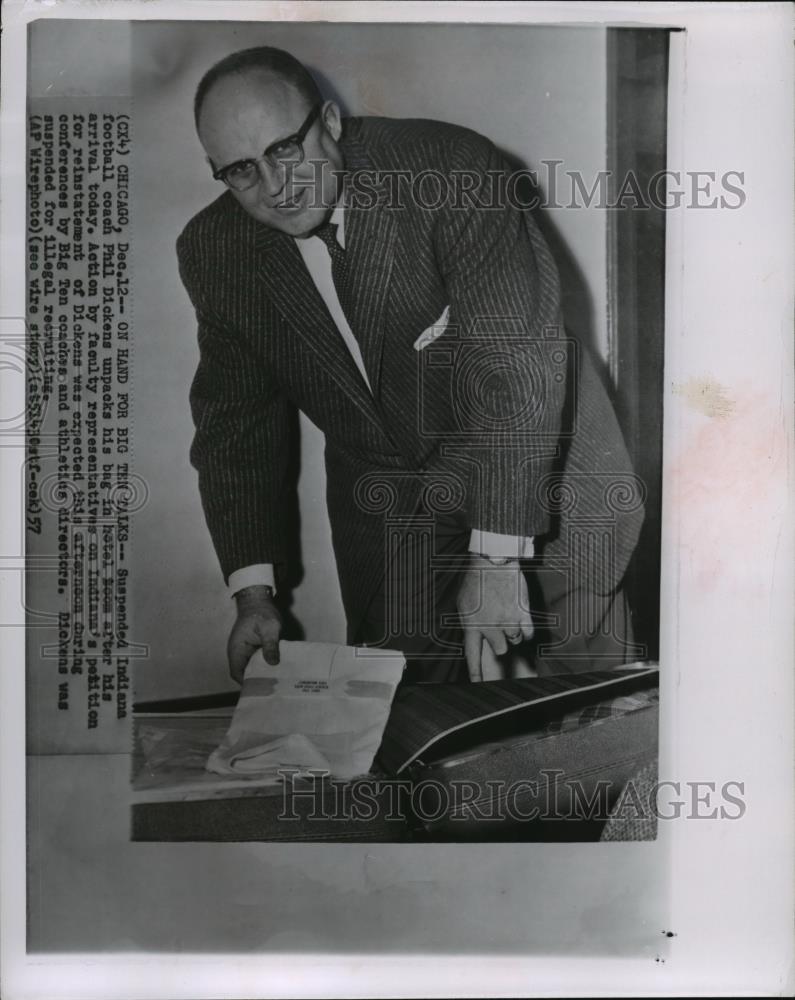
[264, 59]
[245, 111]
[250, 105]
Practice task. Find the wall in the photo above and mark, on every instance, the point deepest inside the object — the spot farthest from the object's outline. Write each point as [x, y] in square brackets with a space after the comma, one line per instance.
[515, 84]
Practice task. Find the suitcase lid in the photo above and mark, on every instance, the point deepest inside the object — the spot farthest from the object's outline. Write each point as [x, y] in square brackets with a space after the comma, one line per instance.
[434, 720]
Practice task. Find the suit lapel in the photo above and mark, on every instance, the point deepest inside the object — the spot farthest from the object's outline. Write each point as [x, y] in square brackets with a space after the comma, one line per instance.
[370, 235]
[291, 289]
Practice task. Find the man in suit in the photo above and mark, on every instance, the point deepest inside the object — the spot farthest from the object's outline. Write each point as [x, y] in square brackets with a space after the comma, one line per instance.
[379, 275]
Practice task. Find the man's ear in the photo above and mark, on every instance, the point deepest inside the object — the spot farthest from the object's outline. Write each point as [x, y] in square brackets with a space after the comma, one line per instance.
[332, 119]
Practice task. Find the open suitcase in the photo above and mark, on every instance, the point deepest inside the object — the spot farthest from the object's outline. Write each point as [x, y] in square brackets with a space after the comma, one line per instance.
[533, 759]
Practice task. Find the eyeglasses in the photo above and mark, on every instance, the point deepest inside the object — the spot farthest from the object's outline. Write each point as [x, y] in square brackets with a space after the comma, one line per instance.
[284, 154]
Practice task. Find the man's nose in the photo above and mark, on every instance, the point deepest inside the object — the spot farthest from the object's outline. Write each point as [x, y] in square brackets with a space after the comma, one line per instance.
[272, 179]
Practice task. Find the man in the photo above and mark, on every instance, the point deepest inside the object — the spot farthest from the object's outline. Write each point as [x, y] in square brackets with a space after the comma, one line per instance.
[470, 447]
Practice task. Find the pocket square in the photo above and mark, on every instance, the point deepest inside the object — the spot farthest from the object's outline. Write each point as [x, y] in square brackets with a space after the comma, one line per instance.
[433, 332]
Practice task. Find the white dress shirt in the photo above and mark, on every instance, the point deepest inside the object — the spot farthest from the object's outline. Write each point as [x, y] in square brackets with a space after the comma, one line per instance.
[316, 256]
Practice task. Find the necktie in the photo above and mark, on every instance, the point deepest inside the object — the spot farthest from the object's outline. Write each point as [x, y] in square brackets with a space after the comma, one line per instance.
[339, 275]
[339, 271]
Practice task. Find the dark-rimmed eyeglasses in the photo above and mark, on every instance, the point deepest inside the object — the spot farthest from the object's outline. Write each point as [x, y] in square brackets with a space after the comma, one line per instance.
[284, 154]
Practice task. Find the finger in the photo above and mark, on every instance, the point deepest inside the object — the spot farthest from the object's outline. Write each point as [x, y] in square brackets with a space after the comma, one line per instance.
[496, 639]
[270, 645]
[243, 643]
[473, 642]
[528, 629]
[515, 637]
[238, 653]
[270, 650]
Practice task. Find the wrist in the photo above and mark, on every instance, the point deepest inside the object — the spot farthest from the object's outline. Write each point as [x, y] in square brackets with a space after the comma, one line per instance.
[496, 560]
[254, 595]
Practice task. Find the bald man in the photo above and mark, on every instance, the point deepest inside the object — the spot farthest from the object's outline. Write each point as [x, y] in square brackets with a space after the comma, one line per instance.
[478, 487]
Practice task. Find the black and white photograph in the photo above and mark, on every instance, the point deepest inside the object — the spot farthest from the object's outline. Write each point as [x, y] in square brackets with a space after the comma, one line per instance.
[456, 541]
[390, 464]
[465, 492]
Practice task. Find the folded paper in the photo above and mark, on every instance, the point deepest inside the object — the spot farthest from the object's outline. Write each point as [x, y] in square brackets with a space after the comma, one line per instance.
[323, 709]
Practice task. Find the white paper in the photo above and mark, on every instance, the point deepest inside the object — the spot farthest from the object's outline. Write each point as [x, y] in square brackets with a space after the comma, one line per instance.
[322, 709]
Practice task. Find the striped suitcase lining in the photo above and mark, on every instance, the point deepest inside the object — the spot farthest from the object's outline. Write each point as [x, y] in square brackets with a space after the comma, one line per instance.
[426, 714]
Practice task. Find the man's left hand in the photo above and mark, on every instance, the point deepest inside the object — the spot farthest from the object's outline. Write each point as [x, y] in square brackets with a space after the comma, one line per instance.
[493, 605]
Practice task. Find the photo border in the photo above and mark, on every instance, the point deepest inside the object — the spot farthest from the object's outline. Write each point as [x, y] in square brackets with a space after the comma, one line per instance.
[711, 628]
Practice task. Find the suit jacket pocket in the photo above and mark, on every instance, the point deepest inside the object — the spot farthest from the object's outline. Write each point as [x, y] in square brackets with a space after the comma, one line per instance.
[434, 331]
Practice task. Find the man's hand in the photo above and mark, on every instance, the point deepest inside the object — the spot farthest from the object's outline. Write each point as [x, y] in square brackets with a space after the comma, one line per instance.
[258, 625]
[493, 605]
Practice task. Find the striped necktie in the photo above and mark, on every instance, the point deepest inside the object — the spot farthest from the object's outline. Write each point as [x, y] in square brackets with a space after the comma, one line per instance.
[340, 276]
[339, 270]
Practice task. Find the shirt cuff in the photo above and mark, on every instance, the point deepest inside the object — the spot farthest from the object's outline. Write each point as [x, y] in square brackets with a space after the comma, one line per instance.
[495, 546]
[260, 575]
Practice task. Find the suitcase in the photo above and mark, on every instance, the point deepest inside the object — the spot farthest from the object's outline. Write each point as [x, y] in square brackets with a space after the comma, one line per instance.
[532, 759]
[541, 759]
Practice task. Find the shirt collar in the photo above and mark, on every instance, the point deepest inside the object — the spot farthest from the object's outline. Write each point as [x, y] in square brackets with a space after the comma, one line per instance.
[338, 219]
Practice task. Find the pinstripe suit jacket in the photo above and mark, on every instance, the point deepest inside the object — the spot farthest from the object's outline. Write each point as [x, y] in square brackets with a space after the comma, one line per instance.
[500, 422]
